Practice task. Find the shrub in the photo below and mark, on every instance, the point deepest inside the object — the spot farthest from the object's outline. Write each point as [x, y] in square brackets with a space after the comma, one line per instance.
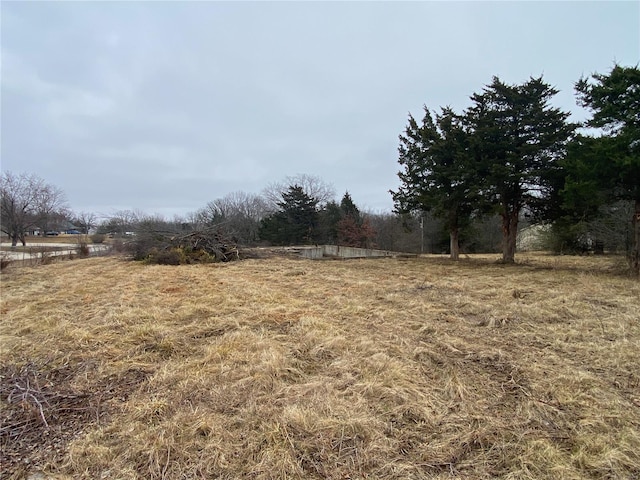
[145, 245]
[83, 249]
[46, 257]
[97, 238]
[199, 256]
[173, 256]
[177, 256]
[566, 238]
[4, 261]
[118, 245]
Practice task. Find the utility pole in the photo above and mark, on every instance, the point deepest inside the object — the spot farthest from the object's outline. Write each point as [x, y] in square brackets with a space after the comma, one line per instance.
[422, 233]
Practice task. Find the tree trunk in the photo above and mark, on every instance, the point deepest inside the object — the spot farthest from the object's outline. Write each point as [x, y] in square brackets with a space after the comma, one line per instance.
[509, 235]
[635, 248]
[14, 240]
[598, 247]
[454, 244]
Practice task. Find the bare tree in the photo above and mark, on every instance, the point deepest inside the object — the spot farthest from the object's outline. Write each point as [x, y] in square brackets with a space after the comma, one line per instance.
[313, 186]
[27, 201]
[182, 223]
[51, 208]
[194, 220]
[399, 233]
[85, 221]
[125, 221]
[237, 214]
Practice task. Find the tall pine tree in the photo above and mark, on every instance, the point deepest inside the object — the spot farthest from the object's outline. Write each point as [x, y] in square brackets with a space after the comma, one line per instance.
[605, 167]
[517, 139]
[295, 222]
[353, 230]
[440, 175]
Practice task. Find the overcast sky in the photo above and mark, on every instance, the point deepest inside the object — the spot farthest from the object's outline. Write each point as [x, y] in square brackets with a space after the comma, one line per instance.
[164, 106]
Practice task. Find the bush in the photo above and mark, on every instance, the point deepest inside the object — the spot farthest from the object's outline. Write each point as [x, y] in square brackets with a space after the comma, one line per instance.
[97, 238]
[4, 261]
[145, 245]
[198, 256]
[83, 249]
[118, 245]
[46, 257]
[169, 248]
[173, 256]
[566, 238]
[178, 256]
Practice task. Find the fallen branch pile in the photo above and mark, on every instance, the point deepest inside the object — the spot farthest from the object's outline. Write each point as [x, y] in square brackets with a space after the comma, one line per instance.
[212, 243]
[171, 248]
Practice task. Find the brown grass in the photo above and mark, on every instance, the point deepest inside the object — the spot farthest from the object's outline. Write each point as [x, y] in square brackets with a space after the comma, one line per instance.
[51, 243]
[62, 238]
[283, 368]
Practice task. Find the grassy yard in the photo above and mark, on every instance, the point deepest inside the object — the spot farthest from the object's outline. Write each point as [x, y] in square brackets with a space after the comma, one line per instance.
[51, 242]
[282, 368]
[62, 238]
[50, 247]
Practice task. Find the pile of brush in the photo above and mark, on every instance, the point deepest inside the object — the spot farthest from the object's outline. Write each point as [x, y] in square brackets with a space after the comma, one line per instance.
[169, 248]
[213, 243]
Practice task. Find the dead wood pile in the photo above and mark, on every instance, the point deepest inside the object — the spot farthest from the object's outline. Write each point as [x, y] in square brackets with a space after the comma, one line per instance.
[213, 243]
[173, 248]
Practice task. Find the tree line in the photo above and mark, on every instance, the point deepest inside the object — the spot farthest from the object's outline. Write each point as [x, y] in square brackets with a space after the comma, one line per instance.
[467, 182]
[513, 155]
[298, 210]
[302, 209]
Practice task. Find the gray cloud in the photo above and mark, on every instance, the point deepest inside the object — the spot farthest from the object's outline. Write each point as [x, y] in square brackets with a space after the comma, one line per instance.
[163, 106]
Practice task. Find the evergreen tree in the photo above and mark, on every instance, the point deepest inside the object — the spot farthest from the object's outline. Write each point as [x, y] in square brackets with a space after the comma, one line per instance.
[605, 168]
[440, 175]
[353, 230]
[295, 222]
[348, 208]
[328, 219]
[518, 139]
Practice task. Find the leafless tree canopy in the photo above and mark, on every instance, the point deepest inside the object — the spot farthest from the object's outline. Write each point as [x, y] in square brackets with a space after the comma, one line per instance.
[312, 186]
[123, 221]
[236, 204]
[237, 214]
[27, 202]
[85, 221]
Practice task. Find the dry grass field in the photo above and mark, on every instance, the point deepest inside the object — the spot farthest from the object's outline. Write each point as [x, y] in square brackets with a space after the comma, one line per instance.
[281, 368]
[62, 238]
